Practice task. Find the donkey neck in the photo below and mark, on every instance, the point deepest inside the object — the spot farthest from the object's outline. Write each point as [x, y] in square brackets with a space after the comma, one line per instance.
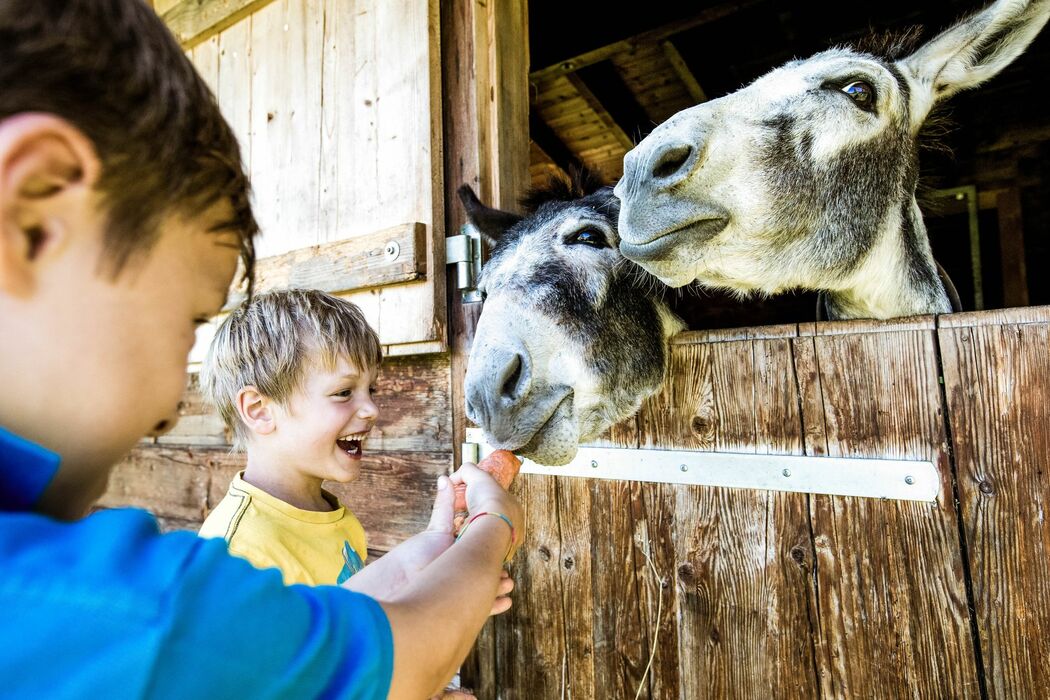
[897, 277]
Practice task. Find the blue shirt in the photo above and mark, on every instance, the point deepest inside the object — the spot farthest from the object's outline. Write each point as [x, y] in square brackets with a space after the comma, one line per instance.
[108, 607]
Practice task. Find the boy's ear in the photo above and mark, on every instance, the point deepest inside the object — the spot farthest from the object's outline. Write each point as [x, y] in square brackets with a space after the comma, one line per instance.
[256, 410]
[47, 167]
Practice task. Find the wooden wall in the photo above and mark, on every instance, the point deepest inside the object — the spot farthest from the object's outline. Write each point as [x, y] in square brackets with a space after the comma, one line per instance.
[181, 476]
[701, 592]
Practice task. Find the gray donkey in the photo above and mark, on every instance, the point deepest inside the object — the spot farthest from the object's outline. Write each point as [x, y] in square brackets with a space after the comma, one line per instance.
[572, 337]
[806, 178]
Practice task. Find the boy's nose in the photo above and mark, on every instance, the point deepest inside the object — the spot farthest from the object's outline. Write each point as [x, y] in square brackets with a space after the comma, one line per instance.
[368, 411]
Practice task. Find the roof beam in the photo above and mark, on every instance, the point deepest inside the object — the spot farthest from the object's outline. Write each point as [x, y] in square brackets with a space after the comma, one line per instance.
[655, 35]
[551, 144]
[604, 89]
[681, 69]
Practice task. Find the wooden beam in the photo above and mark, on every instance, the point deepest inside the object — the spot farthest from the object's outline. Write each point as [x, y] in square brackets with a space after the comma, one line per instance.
[681, 69]
[1011, 248]
[391, 256]
[602, 87]
[655, 35]
[194, 21]
[552, 145]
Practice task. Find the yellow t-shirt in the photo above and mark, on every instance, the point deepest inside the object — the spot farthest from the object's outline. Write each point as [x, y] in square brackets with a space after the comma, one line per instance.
[312, 547]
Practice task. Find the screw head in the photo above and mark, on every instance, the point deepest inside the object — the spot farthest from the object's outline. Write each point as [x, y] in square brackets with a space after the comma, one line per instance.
[391, 250]
[909, 480]
[594, 464]
[684, 467]
[786, 472]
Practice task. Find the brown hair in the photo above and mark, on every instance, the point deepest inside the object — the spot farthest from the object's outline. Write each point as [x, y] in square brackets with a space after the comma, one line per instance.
[112, 69]
[273, 339]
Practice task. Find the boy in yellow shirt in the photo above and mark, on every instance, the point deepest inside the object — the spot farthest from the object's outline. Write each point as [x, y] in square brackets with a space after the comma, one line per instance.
[292, 373]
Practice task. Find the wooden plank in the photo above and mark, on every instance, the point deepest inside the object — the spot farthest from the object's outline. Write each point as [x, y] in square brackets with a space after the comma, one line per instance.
[681, 69]
[235, 84]
[286, 124]
[996, 317]
[883, 622]
[205, 57]
[363, 262]
[653, 81]
[604, 92]
[531, 658]
[741, 559]
[1011, 248]
[169, 482]
[996, 379]
[409, 132]
[194, 21]
[726, 335]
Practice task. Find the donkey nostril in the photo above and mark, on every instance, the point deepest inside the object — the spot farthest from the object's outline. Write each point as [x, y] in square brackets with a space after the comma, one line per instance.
[672, 160]
[513, 377]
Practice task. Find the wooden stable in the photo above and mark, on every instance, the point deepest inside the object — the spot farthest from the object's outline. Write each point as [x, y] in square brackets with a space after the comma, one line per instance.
[359, 119]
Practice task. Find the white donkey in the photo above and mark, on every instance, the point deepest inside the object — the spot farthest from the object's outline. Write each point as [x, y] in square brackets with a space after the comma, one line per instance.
[806, 178]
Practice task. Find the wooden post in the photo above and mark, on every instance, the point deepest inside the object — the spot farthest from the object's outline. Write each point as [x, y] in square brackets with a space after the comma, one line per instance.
[1011, 247]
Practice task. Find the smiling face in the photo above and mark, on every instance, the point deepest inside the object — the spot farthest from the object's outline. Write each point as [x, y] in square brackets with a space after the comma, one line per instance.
[571, 338]
[320, 430]
[785, 183]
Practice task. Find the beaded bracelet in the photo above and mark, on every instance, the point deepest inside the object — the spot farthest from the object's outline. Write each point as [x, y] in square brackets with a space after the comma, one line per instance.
[501, 516]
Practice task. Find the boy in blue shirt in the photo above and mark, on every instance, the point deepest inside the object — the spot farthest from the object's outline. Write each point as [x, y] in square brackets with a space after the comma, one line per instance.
[123, 211]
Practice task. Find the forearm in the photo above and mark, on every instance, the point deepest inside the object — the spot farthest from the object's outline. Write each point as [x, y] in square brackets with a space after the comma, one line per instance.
[449, 601]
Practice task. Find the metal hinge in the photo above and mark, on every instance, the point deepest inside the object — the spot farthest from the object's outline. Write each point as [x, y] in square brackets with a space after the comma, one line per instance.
[464, 251]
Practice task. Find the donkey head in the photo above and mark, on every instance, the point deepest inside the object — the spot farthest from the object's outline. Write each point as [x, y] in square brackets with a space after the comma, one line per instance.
[572, 338]
[806, 178]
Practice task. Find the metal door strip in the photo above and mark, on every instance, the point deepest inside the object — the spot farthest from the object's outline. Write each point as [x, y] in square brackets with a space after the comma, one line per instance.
[897, 479]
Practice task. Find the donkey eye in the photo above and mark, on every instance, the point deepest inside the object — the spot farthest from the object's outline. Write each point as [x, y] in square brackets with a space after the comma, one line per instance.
[861, 93]
[588, 236]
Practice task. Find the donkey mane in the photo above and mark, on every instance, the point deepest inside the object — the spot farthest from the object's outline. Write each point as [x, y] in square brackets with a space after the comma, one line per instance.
[580, 183]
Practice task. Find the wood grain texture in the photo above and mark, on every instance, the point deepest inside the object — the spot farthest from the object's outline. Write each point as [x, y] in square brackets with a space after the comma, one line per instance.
[194, 21]
[890, 579]
[740, 560]
[997, 380]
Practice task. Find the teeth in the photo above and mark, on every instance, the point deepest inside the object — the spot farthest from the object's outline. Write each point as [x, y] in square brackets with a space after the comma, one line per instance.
[355, 436]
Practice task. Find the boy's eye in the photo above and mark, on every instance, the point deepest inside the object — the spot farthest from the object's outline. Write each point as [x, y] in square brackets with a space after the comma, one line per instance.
[201, 320]
[345, 393]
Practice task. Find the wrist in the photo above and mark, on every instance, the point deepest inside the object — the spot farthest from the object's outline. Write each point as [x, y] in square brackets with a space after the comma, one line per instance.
[493, 520]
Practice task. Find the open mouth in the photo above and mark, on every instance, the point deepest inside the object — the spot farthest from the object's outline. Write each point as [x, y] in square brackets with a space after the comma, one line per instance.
[351, 444]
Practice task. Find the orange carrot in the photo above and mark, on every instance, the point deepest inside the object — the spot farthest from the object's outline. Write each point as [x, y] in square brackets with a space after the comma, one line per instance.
[502, 465]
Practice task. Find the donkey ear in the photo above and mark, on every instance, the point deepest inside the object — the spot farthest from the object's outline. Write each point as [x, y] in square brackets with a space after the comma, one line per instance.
[976, 48]
[491, 223]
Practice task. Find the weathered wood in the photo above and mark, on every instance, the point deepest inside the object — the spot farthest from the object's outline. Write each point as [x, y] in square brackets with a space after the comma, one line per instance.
[362, 262]
[1011, 248]
[531, 658]
[739, 558]
[997, 380]
[193, 21]
[169, 482]
[685, 75]
[333, 117]
[997, 317]
[890, 579]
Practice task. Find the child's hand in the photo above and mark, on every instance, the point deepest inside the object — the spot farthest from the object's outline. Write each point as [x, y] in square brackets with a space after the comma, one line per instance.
[484, 494]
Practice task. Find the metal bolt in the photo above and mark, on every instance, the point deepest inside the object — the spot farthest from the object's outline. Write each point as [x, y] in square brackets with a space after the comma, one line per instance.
[684, 467]
[909, 480]
[392, 250]
[594, 464]
[786, 472]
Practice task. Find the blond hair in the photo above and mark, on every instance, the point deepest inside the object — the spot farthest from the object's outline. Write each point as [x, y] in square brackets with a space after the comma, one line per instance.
[269, 340]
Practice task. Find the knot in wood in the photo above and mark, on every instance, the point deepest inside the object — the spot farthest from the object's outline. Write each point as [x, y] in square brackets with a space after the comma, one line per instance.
[545, 554]
[685, 572]
[700, 425]
[799, 555]
[986, 488]
[569, 562]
